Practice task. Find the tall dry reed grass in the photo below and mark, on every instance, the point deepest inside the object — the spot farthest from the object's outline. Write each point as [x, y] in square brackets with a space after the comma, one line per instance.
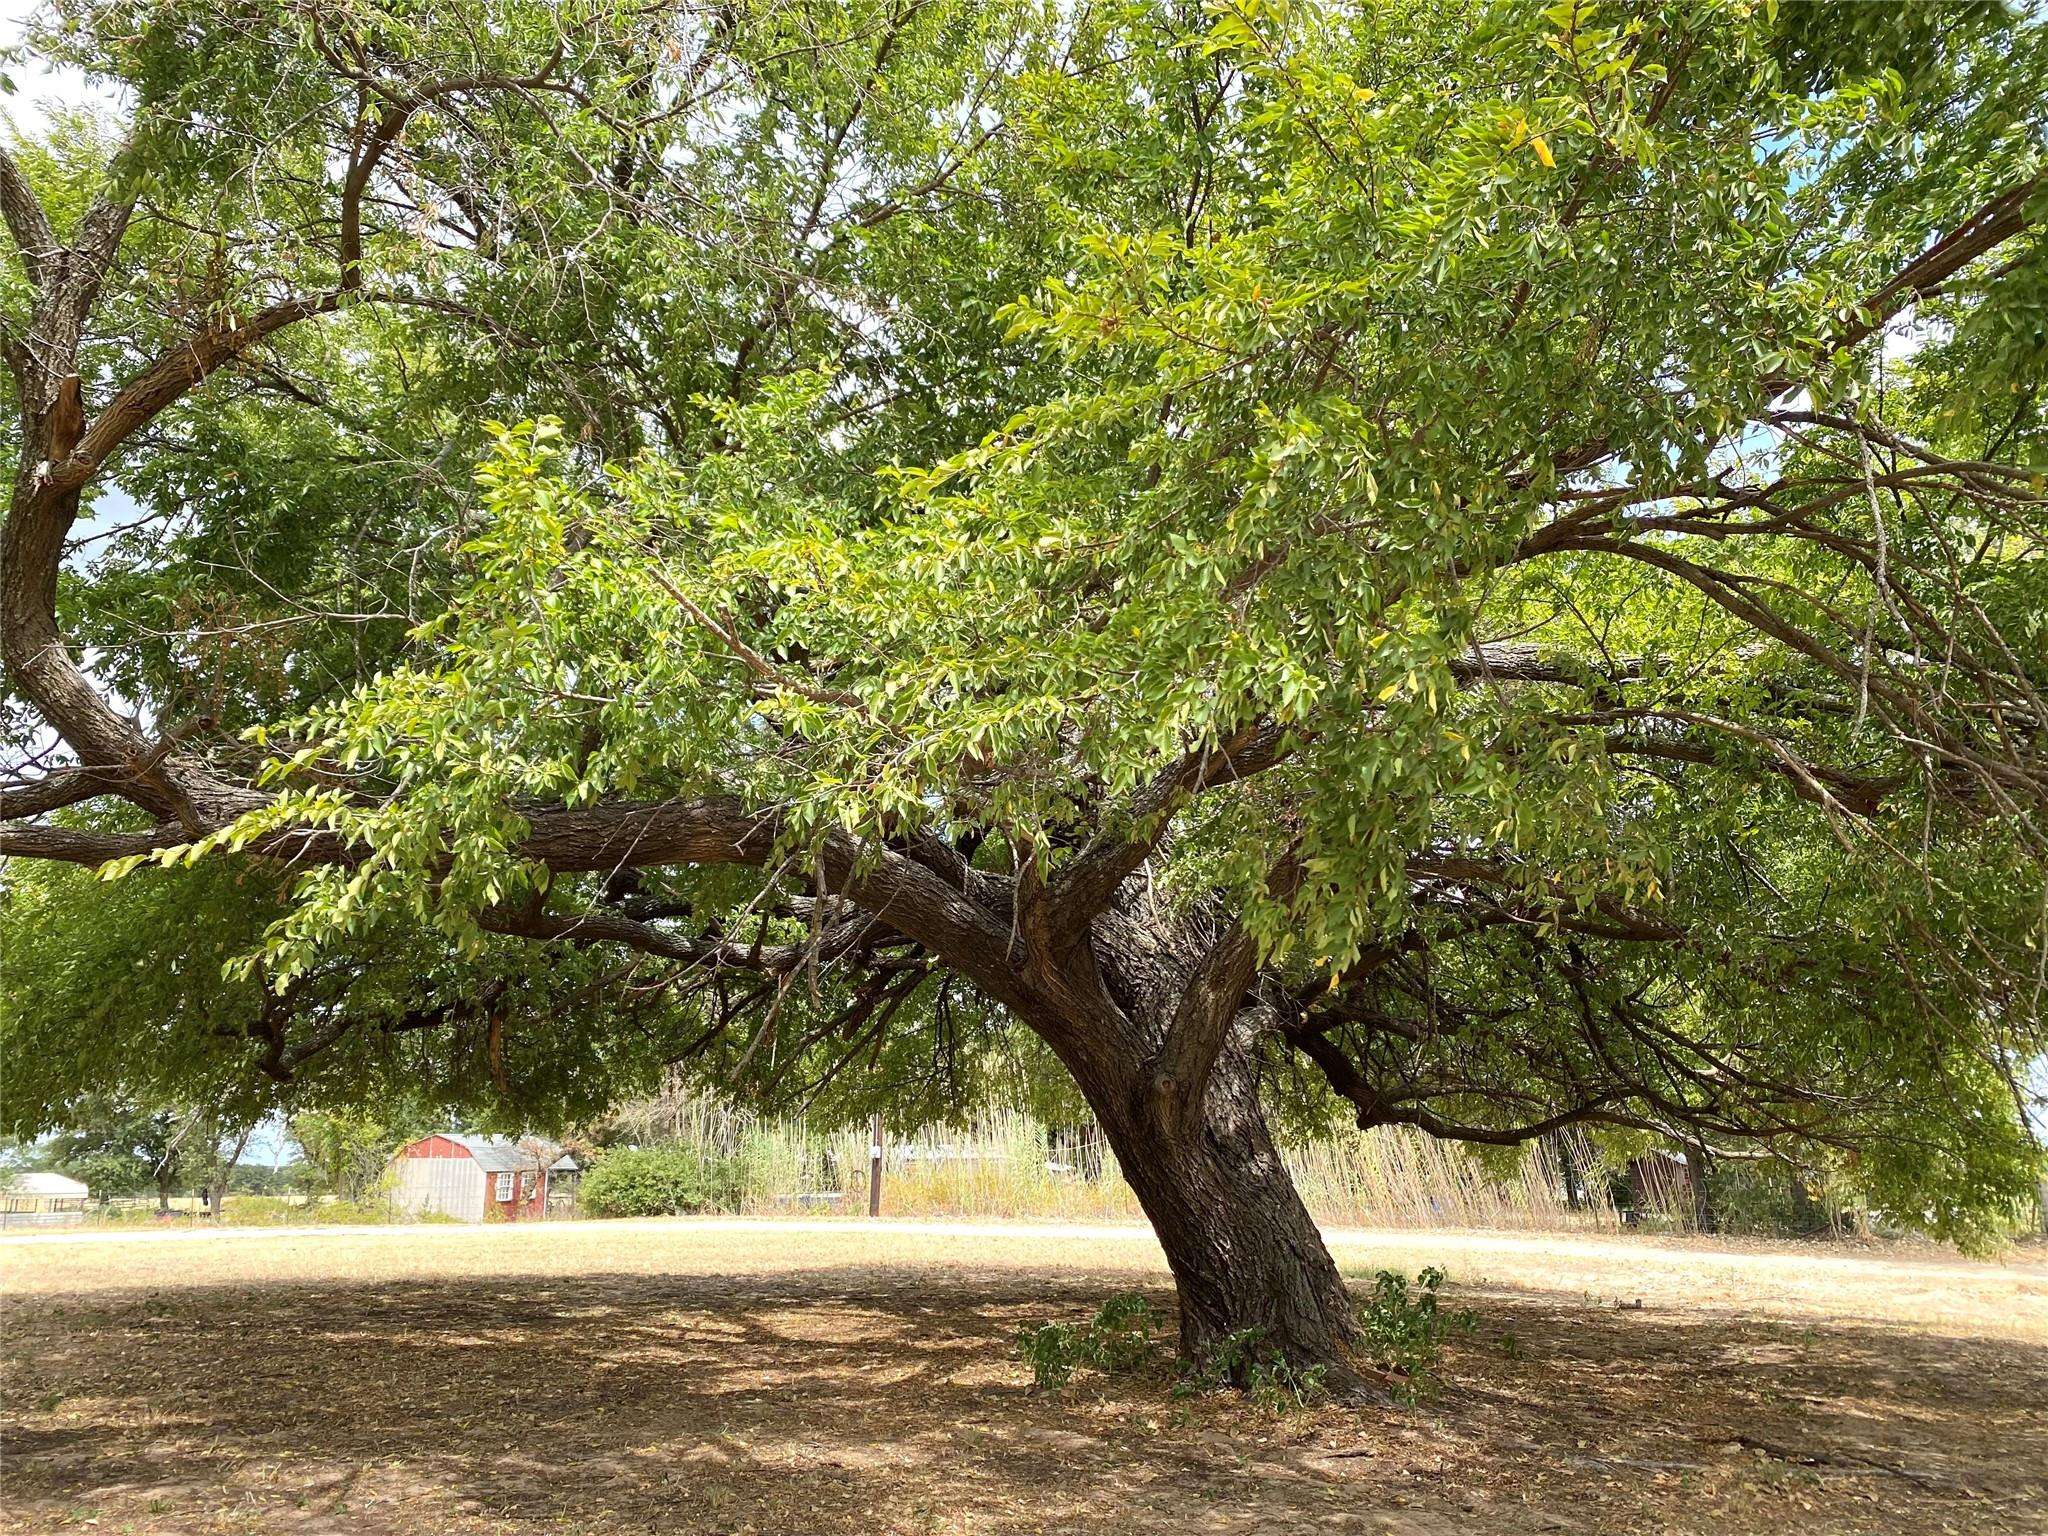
[1009, 1166]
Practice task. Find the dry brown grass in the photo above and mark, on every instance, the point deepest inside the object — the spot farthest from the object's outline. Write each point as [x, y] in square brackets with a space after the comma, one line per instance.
[595, 1379]
[1918, 1287]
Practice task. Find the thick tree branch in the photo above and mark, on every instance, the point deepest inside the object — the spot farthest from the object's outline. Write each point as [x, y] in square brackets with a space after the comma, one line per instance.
[61, 453]
[893, 889]
[1996, 222]
[34, 240]
[1084, 887]
[67, 786]
[595, 927]
[1209, 1008]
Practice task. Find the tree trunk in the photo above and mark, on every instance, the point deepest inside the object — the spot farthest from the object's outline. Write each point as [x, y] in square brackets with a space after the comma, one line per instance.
[217, 1190]
[1246, 1256]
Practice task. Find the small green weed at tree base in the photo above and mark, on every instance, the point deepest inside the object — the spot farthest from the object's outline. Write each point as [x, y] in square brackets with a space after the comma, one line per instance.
[1404, 1329]
[1050, 1351]
[1274, 1383]
[1118, 1339]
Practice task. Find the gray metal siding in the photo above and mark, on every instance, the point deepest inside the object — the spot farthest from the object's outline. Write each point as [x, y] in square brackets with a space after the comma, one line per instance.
[439, 1186]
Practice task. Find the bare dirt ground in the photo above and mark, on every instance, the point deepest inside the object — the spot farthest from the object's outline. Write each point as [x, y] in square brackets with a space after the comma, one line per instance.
[596, 1379]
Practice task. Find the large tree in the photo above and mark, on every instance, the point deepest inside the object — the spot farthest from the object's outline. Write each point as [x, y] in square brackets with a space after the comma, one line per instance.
[1485, 561]
[116, 1149]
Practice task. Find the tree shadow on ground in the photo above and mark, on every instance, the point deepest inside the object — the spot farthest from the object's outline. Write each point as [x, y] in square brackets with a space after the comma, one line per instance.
[887, 1401]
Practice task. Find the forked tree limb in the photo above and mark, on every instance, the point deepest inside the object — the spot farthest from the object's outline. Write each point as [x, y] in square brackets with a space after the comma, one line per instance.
[1210, 1005]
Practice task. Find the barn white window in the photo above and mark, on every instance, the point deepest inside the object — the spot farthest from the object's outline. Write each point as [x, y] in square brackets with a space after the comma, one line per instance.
[504, 1186]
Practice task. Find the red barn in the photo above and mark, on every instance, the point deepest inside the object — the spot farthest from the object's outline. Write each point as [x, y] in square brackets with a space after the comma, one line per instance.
[476, 1178]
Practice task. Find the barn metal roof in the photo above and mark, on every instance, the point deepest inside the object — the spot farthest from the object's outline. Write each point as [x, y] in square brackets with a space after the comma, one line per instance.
[494, 1154]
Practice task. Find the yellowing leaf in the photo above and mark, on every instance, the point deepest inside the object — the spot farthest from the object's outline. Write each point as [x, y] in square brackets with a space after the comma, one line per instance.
[1543, 152]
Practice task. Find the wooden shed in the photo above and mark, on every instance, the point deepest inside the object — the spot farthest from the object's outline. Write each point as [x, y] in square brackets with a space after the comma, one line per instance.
[41, 1200]
[478, 1178]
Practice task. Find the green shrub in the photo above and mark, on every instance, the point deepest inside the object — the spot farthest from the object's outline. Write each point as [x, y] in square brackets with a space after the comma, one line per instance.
[1244, 1359]
[1405, 1329]
[1401, 1330]
[677, 1180]
[1052, 1350]
[1117, 1339]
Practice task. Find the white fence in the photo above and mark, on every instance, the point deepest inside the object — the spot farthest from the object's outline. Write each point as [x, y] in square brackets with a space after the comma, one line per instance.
[14, 1220]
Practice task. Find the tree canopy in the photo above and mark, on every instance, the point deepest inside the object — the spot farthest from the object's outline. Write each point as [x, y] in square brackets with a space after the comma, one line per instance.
[1472, 563]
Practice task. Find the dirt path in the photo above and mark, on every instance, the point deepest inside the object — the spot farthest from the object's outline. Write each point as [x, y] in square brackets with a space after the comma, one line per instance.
[597, 1379]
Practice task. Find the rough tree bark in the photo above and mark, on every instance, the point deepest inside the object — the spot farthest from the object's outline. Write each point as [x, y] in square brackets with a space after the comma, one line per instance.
[1129, 1000]
[1245, 1254]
